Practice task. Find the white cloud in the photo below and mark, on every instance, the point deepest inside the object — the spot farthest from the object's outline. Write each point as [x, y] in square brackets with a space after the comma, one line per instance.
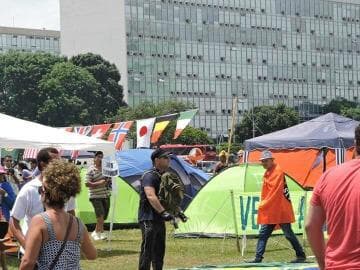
[30, 13]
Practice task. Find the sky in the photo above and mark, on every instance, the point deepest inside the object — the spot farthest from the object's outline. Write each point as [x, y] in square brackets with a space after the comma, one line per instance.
[30, 14]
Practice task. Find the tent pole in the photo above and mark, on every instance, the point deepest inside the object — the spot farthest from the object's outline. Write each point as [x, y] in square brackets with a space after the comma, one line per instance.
[235, 220]
[232, 128]
[114, 195]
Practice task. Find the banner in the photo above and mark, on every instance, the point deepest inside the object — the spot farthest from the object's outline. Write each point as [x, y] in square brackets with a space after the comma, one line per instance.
[144, 129]
[246, 209]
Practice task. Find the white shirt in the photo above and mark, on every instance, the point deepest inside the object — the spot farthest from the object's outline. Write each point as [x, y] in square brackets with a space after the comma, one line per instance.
[28, 203]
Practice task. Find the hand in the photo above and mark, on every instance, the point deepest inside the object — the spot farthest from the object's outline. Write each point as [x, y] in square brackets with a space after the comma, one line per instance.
[166, 216]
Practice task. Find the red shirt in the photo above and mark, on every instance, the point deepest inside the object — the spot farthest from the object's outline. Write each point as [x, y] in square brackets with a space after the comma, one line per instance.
[338, 193]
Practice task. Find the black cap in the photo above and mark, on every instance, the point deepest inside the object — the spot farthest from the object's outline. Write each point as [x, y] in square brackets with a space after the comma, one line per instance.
[159, 153]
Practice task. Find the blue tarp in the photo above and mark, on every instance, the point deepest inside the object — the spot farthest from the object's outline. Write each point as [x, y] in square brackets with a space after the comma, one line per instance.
[134, 162]
[330, 131]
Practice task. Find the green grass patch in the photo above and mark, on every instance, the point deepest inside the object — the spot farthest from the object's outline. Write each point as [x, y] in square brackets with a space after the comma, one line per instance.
[125, 248]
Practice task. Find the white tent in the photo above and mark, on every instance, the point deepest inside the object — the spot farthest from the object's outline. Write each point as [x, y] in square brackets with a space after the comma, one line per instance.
[17, 133]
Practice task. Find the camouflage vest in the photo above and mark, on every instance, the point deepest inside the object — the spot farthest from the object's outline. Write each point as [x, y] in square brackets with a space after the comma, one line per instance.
[171, 192]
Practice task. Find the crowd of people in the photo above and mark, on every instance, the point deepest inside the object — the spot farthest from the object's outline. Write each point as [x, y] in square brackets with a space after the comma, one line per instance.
[41, 193]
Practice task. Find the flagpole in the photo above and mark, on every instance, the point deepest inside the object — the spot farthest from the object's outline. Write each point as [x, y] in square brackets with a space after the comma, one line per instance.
[232, 128]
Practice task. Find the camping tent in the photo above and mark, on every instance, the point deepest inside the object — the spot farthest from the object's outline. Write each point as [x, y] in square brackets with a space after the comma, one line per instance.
[126, 205]
[133, 163]
[25, 134]
[227, 204]
[304, 151]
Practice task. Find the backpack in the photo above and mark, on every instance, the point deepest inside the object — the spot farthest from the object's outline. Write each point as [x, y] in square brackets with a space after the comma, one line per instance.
[171, 192]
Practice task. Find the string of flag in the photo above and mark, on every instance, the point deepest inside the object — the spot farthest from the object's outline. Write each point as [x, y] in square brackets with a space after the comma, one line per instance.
[148, 131]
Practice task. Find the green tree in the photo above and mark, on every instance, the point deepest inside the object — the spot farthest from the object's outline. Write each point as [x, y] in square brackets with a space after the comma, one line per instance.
[337, 105]
[353, 113]
[70, 94]
[108, 77]
[20, 74]
[266, 119]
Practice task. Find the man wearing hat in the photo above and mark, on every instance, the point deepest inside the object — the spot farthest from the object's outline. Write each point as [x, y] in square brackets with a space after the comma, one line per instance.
[275, 209]
[152, 214]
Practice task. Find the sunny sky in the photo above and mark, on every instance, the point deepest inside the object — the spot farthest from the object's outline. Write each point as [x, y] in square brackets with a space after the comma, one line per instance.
[30, 14]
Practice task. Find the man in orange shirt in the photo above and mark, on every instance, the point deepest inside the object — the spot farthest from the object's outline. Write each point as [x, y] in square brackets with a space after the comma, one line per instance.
[336, 200]
[275, 209]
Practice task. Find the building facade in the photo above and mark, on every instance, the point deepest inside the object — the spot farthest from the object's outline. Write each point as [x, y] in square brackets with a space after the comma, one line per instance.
[29, 40]
[303, 53]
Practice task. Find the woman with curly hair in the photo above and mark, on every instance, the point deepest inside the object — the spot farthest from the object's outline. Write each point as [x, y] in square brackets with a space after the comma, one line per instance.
[55, 238]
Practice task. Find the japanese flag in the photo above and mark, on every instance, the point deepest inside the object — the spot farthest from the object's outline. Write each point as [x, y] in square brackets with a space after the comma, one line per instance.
[144, 129]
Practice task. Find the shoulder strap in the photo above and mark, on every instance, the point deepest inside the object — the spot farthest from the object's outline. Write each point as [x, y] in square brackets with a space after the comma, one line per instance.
[49, 226]
[52, 265]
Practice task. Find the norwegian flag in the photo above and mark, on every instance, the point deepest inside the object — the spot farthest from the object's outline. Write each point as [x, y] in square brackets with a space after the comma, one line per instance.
[82, 131]
[30, 153]
[118, 133]
[99, 131]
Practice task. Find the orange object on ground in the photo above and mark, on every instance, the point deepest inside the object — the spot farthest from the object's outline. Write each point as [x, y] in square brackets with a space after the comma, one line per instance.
[274, 207]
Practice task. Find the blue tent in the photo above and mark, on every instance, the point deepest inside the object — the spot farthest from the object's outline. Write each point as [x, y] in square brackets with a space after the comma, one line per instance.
[327, 131]
[134, 162]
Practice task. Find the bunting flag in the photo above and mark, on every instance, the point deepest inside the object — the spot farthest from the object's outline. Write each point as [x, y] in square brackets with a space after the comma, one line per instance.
[144, 129]
[99, 131]
[83, 130]
[68, 129]
[183, 121]
[118, 133]
[160, 125]
[86, 131]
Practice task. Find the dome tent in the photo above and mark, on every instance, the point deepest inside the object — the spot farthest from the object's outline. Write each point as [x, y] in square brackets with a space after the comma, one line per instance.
[227, 204]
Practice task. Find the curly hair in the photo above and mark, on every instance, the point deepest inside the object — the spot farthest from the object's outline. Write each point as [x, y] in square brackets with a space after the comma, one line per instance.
[61, 181]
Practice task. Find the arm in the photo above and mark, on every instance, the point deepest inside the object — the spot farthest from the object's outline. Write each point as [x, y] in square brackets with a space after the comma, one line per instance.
[87, 246]
[18, 213]
[15, 228]
[33, 244]
[313, 227]
[153, 199]
[101, 182]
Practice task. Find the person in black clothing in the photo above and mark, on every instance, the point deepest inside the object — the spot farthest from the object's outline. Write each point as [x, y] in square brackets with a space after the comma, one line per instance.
[152, 215]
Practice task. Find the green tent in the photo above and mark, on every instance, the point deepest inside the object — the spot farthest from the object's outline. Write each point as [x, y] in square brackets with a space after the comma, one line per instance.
[126, 207]
[227, 204]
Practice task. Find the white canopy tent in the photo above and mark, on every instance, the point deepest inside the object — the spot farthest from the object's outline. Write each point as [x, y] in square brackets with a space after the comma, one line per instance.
[18, 133]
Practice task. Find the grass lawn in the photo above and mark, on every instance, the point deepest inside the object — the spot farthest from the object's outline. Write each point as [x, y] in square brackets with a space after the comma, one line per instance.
[180, 252]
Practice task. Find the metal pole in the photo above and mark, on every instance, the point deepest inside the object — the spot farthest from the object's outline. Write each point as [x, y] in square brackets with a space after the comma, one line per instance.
[232, 128]
[235, 220]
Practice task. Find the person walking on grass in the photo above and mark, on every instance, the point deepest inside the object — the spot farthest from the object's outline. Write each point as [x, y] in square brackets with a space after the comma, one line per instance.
[99, 194]
[275, 209]
[336, 202]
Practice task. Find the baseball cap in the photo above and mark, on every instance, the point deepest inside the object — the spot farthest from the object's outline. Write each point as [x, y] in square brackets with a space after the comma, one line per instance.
[266, 155]
[2, 170]
[240, 153]
[159, 153]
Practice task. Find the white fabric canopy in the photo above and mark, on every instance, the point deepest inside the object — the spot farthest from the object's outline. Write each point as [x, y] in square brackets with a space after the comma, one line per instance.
[17, 133]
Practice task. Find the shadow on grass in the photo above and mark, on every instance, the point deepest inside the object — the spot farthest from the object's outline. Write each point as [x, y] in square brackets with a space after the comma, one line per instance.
[103, 253]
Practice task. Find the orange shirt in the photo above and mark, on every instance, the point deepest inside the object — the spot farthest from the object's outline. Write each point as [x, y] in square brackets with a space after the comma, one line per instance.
[338, 193]
[274, 207]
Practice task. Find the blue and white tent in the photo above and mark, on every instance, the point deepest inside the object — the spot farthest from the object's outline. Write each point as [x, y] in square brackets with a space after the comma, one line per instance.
[134, 162]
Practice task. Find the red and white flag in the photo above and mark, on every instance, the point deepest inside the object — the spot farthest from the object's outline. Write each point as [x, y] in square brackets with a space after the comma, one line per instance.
[119, 132]
[144, 129]
[99, 131]
[30, 153]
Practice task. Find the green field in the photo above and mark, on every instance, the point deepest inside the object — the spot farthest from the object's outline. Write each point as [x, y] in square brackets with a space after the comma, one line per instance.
[180, 252]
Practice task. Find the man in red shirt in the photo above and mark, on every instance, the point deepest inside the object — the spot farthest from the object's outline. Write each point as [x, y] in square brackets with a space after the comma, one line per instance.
[336, 201]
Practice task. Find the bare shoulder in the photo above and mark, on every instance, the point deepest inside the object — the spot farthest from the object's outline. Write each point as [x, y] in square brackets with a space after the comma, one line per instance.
[37, 221]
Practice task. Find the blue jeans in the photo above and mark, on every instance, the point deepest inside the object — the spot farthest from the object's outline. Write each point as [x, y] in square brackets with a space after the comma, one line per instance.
[265, 232]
